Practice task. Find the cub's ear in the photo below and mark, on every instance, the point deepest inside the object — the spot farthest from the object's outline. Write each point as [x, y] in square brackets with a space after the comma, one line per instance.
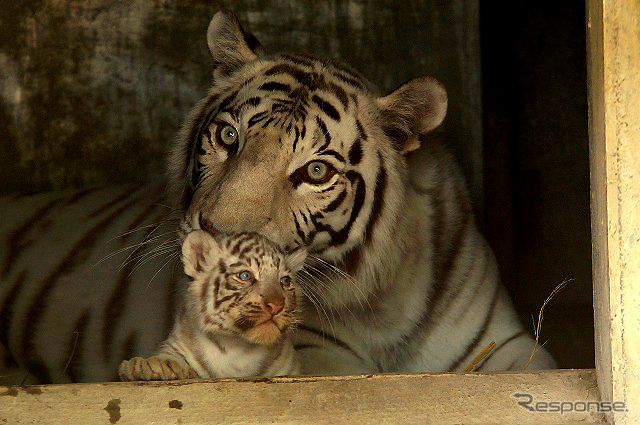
[230, 45]
[198, 252]
[295, 260]
[413, 109]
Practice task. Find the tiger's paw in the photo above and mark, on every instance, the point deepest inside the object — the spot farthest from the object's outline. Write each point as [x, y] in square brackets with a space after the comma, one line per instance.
[154, 369]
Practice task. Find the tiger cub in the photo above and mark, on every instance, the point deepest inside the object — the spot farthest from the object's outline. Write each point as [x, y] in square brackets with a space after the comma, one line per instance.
[236, 312]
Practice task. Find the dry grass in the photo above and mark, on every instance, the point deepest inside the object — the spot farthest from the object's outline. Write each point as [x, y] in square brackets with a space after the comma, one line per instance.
[536, 345]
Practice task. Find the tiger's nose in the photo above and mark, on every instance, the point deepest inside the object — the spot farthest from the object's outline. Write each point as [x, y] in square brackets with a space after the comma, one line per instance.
[273, 305]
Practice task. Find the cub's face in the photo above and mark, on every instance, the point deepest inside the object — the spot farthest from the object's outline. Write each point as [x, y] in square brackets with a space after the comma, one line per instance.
[242, 285]
[297, 148]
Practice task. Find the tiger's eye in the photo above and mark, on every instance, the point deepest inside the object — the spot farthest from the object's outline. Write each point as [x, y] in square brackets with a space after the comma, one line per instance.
[317, 170]
[244, 275]
[285, 281]
[228, 135]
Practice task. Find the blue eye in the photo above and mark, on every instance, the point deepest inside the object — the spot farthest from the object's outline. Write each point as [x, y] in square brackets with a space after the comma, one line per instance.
[285, 281]
[245, 275]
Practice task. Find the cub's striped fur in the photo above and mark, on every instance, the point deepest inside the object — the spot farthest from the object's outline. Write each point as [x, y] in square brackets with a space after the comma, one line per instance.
[238, 308]
[302, 151]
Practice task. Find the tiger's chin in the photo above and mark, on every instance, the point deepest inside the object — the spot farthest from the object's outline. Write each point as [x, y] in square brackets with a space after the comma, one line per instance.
[264, 333]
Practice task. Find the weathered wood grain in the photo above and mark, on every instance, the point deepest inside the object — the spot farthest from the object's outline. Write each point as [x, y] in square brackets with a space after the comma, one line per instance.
[614, 100]
[381, 399]
[93, 92]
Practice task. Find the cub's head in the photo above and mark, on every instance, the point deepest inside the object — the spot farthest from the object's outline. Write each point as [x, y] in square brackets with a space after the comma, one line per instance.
[298, 149]
[242, 284]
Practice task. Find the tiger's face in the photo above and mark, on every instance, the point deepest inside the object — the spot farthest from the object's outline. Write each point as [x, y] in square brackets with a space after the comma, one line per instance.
[242, 285]
[298, 149]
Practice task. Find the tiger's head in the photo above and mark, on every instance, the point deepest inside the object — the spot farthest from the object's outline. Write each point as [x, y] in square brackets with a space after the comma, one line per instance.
[298, 149]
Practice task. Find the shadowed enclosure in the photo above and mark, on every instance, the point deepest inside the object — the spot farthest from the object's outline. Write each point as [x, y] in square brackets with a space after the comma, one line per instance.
[93, 92]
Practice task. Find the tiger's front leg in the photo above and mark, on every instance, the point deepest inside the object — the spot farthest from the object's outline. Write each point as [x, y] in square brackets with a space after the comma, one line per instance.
[154, 368]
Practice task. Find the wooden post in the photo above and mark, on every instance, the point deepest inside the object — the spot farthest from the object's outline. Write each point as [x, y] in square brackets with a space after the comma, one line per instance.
[614, 128]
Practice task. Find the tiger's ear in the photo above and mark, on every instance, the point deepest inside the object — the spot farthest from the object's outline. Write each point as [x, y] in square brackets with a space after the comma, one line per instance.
[413, 109]
[198, 252]
[295, 260]
[230, 45]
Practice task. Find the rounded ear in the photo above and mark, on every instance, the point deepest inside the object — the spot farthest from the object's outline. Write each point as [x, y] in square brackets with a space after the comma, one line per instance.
[198, 250]
[295, 260]
[415, 108]
[230, 45]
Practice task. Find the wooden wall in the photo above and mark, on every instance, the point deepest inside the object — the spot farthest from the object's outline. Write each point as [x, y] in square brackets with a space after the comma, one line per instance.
[93, 92]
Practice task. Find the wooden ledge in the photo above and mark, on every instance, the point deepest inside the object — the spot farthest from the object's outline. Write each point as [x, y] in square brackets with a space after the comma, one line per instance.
[393, 399]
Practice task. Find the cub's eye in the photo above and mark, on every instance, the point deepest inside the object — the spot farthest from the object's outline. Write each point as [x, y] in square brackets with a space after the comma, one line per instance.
[285, 281]
[226, 135]
[318, 172]
[245, 276]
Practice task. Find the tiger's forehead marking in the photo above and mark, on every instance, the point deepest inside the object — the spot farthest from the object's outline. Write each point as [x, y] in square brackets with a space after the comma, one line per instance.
[253, 248]
[294, 84]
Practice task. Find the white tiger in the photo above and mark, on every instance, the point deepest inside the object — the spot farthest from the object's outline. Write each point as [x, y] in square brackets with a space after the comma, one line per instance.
[239, 308]
[300, 150]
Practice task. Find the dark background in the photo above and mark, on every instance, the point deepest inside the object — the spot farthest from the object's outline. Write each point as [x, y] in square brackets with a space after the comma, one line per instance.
[536, 164]
[92, 93]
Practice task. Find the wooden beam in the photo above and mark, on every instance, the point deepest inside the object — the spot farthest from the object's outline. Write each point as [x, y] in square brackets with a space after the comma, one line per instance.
[614, 130]
[393, 399]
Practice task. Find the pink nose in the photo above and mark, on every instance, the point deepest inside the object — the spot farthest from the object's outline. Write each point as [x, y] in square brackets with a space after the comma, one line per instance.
[274, 305]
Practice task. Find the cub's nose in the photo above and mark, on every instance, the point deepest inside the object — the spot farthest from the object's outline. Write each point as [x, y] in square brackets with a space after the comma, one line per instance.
[273, 305]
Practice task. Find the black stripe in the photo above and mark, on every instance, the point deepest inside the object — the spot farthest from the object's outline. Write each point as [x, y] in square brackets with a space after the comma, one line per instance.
[505, 342]
[339, 93]
[256, 119]
[332, 339]
[326, 107]
[336, 202]
[76, 256]
[339, 237]
[6, 312]
[334, 154]
[115, 305]
[346, 79]
[16, 243]
[361, 133]
[129, 346]
[325, 133]
[194, 137]
[252, 101]
[339, 66]
[355, 153]
[301, 234]
[225, 102]
[452, 294]
[295, 140]
[275, 86]
[378, 200]
[75, 348]
[170, 303]
[112, 201]
[79, 195]
[480, 334]
[299, 60]
[445, 252]
[298, 74]
[513, 364]
[305, 346]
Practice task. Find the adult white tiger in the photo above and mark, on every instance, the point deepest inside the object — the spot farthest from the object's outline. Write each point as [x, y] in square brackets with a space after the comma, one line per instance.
[298, 149]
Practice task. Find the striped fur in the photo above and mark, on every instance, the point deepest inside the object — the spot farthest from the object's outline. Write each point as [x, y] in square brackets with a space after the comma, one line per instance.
[237, 312]
[302, 151]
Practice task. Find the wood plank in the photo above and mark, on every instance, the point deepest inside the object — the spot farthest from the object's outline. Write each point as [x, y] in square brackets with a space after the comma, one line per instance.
[393, 399]
[614, 100]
